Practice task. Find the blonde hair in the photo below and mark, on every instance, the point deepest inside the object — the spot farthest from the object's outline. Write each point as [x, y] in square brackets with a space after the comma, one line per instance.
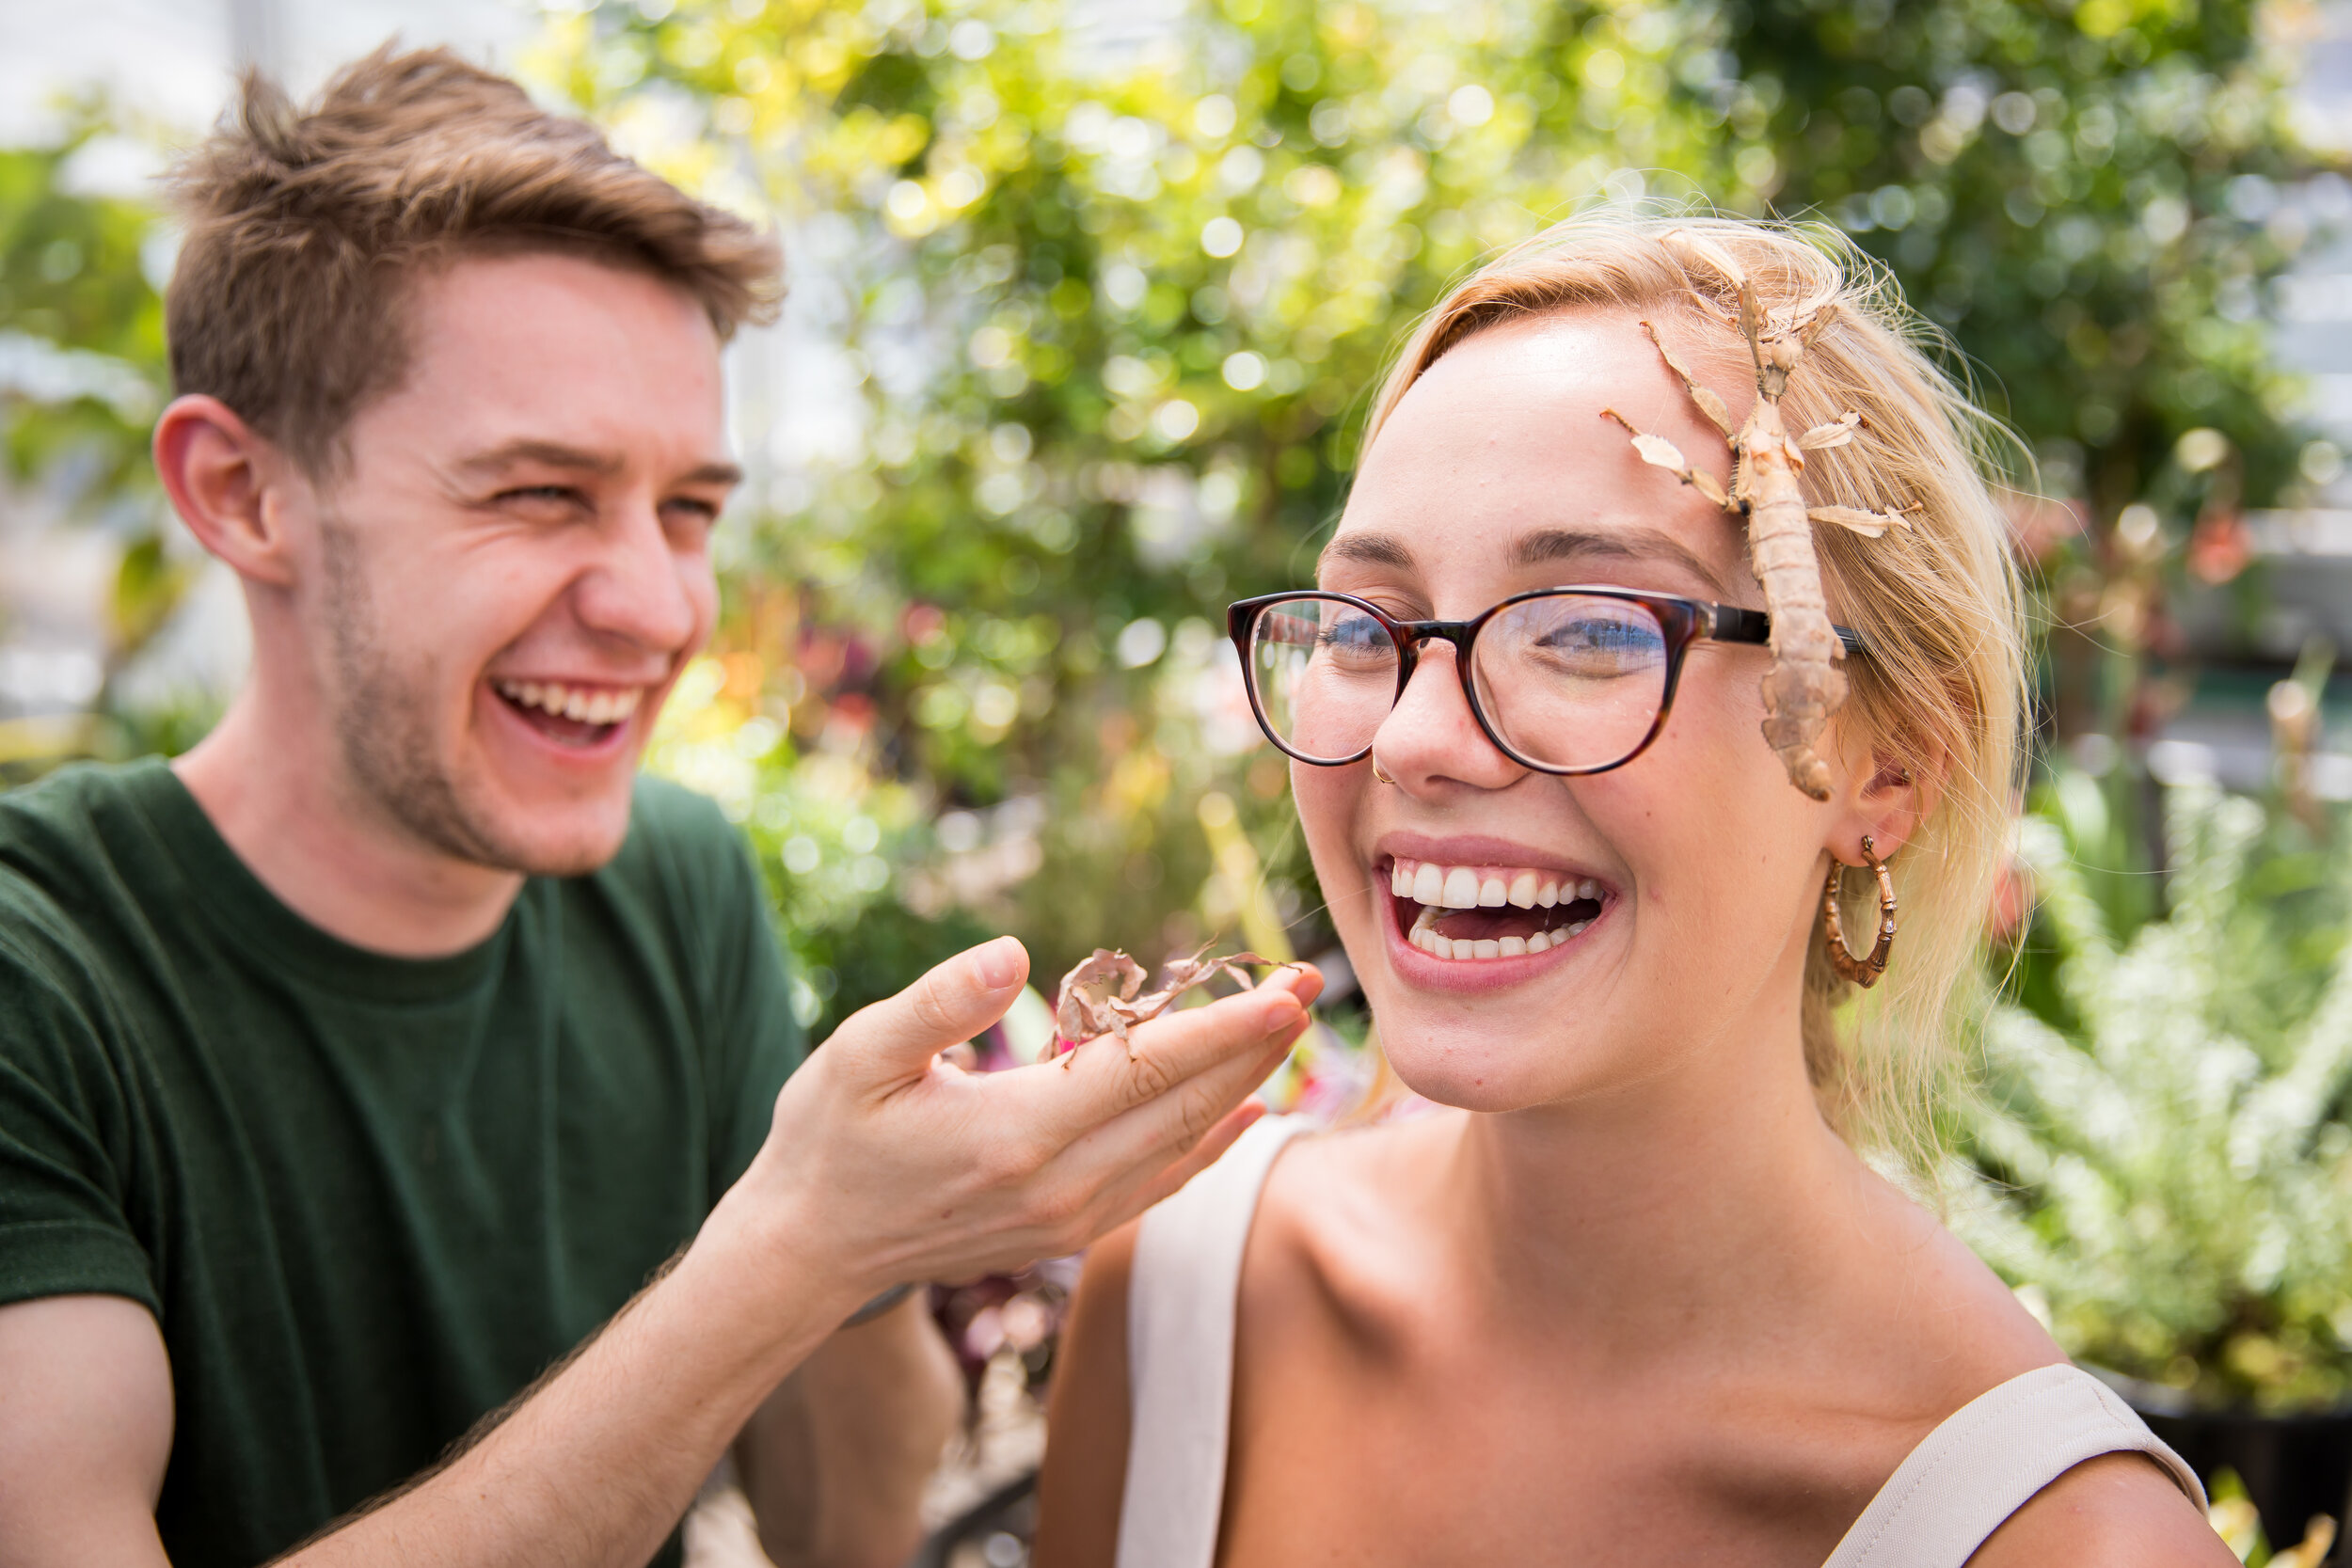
[1942, 689]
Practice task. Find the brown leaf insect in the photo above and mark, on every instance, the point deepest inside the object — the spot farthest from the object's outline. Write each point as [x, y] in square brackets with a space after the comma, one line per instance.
[1099, 997]
[1805, 685]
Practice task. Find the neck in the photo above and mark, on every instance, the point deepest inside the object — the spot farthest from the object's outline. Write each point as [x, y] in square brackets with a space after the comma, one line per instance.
[277, 790]
[1712, 1193]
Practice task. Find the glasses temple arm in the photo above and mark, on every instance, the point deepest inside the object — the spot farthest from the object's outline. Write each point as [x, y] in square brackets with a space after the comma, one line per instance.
[1732, 624]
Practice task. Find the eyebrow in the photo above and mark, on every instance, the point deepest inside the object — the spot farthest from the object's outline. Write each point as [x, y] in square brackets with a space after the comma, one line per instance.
[556, 454]
[1369, 549]
[1548, 544]
[1543, 547]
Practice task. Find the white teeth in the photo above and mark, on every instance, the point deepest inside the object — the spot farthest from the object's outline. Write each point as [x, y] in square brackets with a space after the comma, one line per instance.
[1439, 888]
[599, 706]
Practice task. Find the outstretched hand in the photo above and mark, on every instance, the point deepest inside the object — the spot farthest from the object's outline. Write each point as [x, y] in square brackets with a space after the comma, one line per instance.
[886, 1164]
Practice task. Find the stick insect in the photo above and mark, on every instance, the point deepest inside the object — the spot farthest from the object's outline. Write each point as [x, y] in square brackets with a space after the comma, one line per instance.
[1099, 996]
[1805, 685]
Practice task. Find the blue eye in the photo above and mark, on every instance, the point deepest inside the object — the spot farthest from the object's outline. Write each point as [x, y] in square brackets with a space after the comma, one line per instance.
[1604, 633]
[1599, 645]
[1356, 631]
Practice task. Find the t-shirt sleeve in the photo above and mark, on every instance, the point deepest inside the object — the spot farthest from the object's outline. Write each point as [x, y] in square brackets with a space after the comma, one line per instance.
[63, 1136]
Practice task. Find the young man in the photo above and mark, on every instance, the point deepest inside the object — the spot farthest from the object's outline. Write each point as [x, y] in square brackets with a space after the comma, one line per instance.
[356, 1066]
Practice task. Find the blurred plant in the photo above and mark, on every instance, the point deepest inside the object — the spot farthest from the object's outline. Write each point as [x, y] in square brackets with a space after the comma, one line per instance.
[2170, 1181]
[2089, 195]
[81, 331]
[82, 374]
[2233, 1518]
[825, 831]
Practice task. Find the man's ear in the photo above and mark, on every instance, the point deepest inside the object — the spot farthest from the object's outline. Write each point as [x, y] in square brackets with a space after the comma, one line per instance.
[1889, 791]
[229, 484]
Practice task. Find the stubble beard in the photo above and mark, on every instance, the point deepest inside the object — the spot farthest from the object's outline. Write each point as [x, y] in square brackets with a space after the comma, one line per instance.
[384, 727]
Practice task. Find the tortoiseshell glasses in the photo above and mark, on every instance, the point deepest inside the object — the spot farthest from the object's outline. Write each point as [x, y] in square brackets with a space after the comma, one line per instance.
[1563, 680]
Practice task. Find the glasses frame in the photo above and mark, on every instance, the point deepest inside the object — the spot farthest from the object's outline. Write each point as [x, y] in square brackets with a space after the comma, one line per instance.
[1684, 621]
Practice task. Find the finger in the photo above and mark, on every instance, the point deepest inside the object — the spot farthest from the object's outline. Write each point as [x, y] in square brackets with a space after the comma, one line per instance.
[897, 1037]
[1199, 1158]
[961, 1057]
[1124, 1170]
[1107, 1077]
[1132, 1148]
[1304, 981]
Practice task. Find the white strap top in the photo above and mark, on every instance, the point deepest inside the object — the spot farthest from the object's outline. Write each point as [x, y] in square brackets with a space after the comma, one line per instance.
[1967, 1476]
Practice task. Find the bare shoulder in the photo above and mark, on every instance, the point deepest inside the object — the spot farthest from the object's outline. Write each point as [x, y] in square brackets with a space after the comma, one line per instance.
[1365, 1175]
[1945, 1322]
[1334, 1232]
[2118, 1511]
[2115, 1510]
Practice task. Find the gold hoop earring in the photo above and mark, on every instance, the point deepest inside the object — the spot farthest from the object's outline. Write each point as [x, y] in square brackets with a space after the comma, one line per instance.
[1376, 773]
[1861, 972]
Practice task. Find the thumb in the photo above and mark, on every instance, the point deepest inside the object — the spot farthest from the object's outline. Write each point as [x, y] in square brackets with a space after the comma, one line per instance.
[897, 1037]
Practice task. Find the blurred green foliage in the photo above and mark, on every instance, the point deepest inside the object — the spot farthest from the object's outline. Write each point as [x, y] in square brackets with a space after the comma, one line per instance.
[82, 374]
[82, 331]
[2171, 1172]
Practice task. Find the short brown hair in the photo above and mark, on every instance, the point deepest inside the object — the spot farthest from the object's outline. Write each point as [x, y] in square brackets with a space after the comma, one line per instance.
[303, 227]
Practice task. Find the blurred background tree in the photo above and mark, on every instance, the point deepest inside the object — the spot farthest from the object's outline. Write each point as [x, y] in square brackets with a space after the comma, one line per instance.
[82, 374]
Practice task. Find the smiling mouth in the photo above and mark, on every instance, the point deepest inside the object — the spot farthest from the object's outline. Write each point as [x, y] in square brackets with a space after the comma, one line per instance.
[570, 715]
[1469, 912]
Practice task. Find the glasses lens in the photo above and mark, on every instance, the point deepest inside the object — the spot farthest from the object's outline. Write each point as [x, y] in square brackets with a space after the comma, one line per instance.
[1326, 676]
[1570, 680]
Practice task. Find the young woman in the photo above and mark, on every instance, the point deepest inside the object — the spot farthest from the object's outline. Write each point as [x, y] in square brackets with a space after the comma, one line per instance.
[1632, 1296]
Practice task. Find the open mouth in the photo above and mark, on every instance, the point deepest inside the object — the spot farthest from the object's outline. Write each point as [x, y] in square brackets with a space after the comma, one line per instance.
[581, 717]
[1468, 913]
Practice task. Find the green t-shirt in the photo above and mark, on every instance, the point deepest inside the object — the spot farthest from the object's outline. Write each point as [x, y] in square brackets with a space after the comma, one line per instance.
[367, 1198]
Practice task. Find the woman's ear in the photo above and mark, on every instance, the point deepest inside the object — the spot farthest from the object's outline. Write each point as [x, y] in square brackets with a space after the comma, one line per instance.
[228, 484]
[1890, 790]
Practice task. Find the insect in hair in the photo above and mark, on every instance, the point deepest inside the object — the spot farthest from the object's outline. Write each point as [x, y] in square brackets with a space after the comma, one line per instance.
[1805, 685]
[1099, 997]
